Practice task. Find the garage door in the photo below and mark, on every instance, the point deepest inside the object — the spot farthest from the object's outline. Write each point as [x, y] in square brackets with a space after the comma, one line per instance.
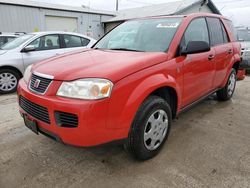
[54, 23]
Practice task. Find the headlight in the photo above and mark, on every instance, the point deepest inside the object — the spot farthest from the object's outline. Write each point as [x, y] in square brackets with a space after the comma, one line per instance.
[27, 74]
[90, 89]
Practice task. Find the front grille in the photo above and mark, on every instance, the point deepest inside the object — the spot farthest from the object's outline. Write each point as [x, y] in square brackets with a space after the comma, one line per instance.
[39, 112]
[39, 84]
[64, 119]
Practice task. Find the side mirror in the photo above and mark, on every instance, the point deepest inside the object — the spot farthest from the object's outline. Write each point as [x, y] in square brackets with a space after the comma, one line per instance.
[29, 48]
[195, 47]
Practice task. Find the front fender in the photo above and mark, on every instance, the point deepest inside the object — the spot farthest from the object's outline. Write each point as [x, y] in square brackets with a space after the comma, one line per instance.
[127, 99]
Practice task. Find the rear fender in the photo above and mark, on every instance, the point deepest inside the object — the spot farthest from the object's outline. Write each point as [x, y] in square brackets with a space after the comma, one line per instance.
[236, 58]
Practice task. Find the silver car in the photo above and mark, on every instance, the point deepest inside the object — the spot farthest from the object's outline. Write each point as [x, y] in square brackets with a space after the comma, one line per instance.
[18, 54]
[244, 39]
[5, 38]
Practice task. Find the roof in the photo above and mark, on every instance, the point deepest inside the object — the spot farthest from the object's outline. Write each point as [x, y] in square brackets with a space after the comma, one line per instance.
[59, 32]
[8, 35]
[37, 4]
[169, 8]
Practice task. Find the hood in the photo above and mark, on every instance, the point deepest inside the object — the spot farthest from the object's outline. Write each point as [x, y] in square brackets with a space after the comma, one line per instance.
[2, 52]
[245, 44]
[108, 64]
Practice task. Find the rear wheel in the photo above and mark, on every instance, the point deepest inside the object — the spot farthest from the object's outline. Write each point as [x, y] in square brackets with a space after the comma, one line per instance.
[227, 92]
[8, 81]
[150, 128]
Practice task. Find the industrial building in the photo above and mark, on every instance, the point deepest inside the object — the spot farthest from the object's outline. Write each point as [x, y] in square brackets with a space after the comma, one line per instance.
[165, 9]
[30, 16]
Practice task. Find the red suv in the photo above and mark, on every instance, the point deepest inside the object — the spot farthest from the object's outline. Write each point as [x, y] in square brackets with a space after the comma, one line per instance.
[132, 83]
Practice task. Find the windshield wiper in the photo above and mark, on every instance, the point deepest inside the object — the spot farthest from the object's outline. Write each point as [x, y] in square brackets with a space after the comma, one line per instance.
[126, 49]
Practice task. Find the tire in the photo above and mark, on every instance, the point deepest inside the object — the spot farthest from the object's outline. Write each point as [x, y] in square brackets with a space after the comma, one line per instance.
[139, 142]
[8, 81]
[227, 92]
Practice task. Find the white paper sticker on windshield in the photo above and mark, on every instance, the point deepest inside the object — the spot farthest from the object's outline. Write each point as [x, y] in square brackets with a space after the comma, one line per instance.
[168, 25]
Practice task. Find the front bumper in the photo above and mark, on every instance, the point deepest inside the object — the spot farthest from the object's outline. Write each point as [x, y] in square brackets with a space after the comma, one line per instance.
[92, 118]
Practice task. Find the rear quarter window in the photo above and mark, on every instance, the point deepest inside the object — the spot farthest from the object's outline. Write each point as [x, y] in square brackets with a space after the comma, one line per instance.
[232, 31]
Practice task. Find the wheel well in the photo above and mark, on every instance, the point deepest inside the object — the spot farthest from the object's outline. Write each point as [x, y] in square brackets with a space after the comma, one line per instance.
[12, 68]
[236, 66]
[170, 95]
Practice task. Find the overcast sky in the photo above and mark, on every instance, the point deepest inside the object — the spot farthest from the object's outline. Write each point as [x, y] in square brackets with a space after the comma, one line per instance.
[237, 10]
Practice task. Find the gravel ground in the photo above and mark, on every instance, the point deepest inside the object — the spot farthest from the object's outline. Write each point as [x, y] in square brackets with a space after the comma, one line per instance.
[209, 146]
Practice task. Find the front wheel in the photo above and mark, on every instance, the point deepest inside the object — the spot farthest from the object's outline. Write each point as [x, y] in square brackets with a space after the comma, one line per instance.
[227, 92]
[8, 81]
[150, 128]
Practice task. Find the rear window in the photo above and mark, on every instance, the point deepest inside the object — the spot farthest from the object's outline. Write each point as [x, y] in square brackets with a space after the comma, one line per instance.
[72, 41]
[216, 33]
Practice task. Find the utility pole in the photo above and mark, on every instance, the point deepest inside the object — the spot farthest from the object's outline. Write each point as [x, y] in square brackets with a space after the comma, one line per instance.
[117, 5]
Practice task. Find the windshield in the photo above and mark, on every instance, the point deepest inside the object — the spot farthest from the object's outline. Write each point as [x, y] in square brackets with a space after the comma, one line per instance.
[16, 42]
[244, 35]
[149, 35]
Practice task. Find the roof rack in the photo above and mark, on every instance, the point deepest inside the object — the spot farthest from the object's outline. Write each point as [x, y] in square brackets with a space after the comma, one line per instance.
[20, 33]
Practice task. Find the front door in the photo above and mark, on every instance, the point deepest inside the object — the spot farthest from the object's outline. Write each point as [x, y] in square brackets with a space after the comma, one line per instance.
[45, 47]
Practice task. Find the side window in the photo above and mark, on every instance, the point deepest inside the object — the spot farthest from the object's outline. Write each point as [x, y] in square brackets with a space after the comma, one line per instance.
[196, 31]
[9, 39]
[48, 42]
[85, 41]
[36, 43]
[72, 41]
[216, 34]
[225, 36]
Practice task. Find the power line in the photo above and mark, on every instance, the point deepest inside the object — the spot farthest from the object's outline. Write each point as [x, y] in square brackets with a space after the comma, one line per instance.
[117, 5]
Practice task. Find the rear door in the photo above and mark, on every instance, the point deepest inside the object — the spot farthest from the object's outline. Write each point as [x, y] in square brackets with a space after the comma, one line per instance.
[222, 47]
[46, 46]
[198, 69]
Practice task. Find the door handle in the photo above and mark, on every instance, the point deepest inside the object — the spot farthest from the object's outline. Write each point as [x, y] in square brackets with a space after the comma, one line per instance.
[210, 57]
[230, 51]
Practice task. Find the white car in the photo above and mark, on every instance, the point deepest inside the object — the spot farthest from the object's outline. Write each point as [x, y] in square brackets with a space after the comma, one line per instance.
[27, 49]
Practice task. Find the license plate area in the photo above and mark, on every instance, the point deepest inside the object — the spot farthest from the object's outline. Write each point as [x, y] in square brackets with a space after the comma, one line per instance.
[30, 123]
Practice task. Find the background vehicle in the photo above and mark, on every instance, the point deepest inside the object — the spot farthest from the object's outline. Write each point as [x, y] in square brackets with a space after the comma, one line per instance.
[16, 55]
[244, 39]
[5, 38]
[132, 92]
